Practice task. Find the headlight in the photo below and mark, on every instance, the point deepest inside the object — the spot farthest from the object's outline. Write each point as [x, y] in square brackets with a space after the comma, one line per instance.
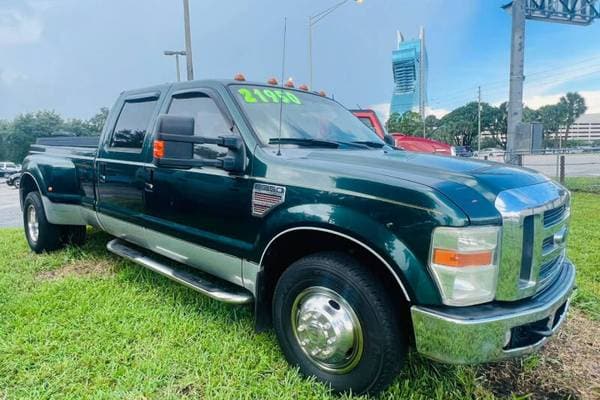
[464, 263]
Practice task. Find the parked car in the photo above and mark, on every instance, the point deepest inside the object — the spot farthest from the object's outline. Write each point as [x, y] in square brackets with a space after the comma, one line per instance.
[351, 250]
[491, 152]
[8, 168]
[14, 180]
[405, 142]
[463, 151]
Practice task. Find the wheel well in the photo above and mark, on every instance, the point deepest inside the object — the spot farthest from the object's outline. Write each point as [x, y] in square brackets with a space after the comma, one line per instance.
[293, 245]
[28, 185]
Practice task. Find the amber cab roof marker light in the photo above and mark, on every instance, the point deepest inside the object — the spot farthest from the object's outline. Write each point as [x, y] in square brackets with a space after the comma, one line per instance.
[239, 77]
[289, 83]
[273, 81]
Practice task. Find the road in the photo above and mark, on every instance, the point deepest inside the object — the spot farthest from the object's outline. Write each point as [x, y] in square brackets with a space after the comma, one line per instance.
[10, 210]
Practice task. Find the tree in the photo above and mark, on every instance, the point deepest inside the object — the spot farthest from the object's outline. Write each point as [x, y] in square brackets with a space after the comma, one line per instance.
[26, 128]
[461, 125]
[572, 106]
[97, 121]
[408, 123]
[432, 123]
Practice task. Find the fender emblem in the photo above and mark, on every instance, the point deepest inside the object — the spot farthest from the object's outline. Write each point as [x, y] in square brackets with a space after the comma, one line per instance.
[266, 197]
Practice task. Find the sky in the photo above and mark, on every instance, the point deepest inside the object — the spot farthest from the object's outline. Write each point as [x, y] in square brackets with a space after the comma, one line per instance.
[75, 56]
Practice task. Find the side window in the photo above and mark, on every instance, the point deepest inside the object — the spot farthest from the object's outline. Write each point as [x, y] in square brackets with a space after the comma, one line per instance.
[209, 121]
[132, 124]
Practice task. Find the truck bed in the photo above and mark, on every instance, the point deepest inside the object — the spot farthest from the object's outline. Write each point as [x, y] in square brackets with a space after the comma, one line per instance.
[70, 141]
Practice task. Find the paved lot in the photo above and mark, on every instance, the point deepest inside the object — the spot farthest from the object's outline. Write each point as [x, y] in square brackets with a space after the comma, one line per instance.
[10, 210]
[584, 165]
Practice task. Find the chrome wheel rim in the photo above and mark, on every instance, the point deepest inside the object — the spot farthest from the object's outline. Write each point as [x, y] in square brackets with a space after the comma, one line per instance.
[33, 226]
[327, 329]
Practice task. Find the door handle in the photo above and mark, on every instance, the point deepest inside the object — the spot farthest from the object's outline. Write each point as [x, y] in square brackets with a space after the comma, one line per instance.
[102, 173]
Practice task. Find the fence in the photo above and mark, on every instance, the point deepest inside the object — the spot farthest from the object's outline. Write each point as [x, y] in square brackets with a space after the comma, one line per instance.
[577, 169]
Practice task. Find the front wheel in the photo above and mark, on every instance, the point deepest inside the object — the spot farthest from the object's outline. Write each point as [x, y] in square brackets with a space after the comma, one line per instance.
[335, 321]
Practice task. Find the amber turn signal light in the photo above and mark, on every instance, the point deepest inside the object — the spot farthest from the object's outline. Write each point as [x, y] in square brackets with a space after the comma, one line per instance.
[159, 149]
[451, 258]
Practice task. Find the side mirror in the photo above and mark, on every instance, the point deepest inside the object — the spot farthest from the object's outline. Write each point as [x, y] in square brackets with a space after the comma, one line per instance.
[390, 141]
[174, 146]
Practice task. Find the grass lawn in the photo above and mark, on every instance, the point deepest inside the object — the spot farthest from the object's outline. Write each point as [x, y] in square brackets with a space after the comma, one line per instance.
[583, 184]
[81, 323]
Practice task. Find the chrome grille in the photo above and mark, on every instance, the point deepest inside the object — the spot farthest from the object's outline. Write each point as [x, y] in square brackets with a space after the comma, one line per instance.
[548, 272]
[535, 225]
[555, 215]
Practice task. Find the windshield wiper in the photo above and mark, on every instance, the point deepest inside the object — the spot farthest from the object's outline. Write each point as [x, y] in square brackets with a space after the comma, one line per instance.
[305, 142]
[376, 145]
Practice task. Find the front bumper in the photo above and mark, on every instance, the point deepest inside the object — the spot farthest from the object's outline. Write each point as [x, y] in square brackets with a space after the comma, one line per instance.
[481, 333]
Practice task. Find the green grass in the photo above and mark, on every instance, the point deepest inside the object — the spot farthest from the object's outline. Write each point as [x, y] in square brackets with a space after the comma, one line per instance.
[583, 184]
[584, 251]
[133, 334]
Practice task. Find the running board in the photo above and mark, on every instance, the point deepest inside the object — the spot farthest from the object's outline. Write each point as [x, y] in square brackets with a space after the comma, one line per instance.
[212, 287]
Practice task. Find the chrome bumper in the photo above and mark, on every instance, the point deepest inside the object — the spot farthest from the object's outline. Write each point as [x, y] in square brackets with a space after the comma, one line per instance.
[494, 331]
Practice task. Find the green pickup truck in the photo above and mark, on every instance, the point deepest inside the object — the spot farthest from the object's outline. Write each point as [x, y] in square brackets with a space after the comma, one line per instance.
[351, 250]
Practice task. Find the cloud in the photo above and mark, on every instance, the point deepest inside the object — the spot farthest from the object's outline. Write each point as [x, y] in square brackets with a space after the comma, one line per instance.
[9, 77]
[592, 100]
[21, 24]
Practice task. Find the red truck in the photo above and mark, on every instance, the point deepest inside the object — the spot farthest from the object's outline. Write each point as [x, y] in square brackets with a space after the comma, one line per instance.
[406, 142]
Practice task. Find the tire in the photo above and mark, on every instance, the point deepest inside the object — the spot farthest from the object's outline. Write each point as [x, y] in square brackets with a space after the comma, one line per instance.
[73, 234]
[17, 183]
[41, 235]
[333, 288]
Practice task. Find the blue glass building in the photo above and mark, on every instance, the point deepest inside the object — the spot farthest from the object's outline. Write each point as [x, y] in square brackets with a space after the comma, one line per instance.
[406, 65]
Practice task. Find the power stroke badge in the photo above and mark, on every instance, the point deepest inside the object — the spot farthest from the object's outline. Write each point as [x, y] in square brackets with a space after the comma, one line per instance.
[266, 197]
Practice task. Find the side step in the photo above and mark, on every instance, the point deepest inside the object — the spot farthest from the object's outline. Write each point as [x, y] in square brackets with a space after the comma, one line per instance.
[212, 287]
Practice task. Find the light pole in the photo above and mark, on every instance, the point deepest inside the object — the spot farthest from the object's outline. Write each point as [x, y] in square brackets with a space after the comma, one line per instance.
[312, 21]
[176, 54]
[188, 40]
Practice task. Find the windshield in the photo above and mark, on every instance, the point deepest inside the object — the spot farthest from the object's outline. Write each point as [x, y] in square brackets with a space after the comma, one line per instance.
[10, 165]
[304, 117]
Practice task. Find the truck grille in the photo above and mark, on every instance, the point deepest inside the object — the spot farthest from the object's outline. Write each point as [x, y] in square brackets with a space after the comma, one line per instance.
[535, 225]
[554, 216]
[548, 272]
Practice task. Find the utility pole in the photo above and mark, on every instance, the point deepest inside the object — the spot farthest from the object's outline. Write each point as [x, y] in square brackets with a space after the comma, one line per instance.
[422, 78]
[478, 119]
[188, 40]
[515, 103]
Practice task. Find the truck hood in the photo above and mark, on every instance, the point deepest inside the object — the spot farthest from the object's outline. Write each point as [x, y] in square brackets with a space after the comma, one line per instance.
[470, 184]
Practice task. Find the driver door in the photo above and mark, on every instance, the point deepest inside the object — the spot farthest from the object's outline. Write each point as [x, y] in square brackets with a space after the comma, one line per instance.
[206, 210]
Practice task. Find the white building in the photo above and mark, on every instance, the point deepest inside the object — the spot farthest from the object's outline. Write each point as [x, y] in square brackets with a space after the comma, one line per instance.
[586, 128]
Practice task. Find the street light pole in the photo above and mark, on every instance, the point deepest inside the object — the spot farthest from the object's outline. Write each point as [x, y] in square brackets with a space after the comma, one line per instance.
[188, 40]
[176, 54]
[312, 21]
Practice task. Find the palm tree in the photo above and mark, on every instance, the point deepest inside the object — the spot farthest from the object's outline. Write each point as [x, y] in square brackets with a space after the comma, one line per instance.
[573, 106]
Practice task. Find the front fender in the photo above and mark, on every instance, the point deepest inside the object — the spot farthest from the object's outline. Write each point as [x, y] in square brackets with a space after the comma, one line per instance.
[378, 237]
